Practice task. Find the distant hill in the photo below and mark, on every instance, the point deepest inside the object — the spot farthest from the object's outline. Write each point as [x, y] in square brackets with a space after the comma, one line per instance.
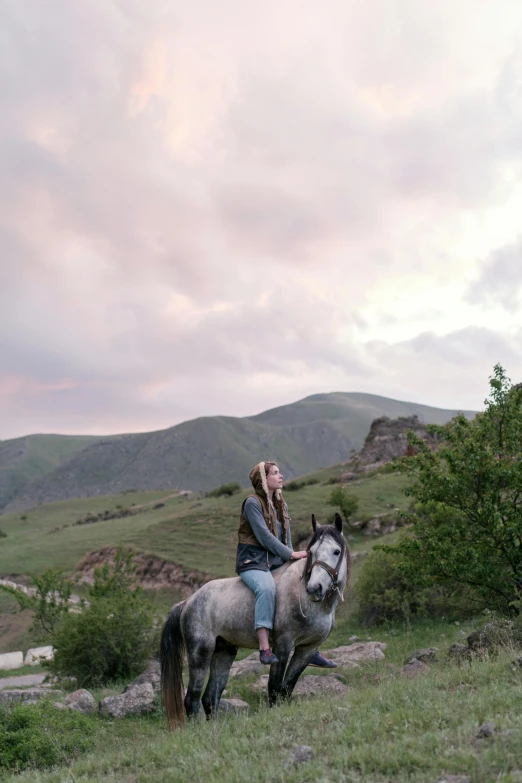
[202, 453]
[23, 460]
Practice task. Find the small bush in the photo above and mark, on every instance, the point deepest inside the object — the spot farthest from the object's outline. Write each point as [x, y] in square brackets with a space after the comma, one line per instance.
[40, 736]
[295, 484]
[344, 501]
[333, 480]
[2, 534]
[113, 638]
[225, 490]
[23, 517]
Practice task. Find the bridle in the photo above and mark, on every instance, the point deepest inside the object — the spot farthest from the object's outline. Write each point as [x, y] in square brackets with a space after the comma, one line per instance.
[332, 572]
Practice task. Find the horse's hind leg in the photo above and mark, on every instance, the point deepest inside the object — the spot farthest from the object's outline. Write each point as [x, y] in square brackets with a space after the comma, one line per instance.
[199, 658]
[300, 660]
[222, 660]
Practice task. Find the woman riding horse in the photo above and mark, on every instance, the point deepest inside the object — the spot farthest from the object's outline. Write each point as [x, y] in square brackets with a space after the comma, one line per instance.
[264, 544]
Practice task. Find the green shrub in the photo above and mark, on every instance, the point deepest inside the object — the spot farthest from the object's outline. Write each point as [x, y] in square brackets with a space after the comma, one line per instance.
[344, 501]
[2, 534]
[333, 480]
[295, 484]
[225, 490]
[386, 591]
[40, 736]
[113, 638]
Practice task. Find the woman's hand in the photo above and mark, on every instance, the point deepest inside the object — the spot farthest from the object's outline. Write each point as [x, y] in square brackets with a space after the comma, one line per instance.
[298, 555]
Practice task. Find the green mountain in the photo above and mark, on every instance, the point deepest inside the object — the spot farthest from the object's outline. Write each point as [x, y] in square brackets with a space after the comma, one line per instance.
[203, 453]
[23, 460]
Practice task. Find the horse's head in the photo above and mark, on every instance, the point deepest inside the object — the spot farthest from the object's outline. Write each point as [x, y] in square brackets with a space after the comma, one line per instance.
[327, 563]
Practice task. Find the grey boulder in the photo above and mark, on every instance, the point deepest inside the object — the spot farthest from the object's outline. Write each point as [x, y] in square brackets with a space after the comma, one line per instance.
[311, 685]
[425, 654]
[137, 700]
[233, 705]
[80, 701]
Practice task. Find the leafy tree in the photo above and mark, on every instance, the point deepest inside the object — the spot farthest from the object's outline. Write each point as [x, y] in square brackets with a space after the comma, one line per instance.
[345, 501]
[468, 514]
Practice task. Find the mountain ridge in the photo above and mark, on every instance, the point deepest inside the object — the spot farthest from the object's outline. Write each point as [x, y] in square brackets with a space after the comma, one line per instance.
[204, 452]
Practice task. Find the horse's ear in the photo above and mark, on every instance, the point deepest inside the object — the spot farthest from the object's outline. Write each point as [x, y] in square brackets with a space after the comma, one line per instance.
[315, 524]
[338, 522]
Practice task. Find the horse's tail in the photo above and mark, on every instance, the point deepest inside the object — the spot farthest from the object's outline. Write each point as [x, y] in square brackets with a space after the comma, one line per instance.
[172, 648]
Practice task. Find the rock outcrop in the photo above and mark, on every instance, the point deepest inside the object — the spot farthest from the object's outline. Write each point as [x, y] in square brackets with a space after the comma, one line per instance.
[153, 573]
[388, 440]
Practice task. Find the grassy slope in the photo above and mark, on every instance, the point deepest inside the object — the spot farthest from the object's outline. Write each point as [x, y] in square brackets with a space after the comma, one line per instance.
[196, 532]
[29, 458]
[386, 729]
[203, 453]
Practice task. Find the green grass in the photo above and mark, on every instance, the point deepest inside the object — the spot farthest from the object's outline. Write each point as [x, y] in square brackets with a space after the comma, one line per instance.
[385, 729]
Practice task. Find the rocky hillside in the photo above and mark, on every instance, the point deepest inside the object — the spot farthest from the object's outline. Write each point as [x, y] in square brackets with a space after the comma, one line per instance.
[201, 454]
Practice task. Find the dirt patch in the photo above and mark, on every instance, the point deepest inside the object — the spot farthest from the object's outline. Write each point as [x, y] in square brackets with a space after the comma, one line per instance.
[153, 572]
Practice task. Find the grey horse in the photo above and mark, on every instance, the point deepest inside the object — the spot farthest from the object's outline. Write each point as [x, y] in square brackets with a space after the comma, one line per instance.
[218, 618]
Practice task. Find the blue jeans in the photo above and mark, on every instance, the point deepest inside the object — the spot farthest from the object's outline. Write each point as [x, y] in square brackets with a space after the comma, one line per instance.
[263, 585]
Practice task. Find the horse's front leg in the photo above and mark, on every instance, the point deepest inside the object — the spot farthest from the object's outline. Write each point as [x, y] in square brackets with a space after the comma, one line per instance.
[300, 660]
[199, 658]
[282, 649]
[222, 660]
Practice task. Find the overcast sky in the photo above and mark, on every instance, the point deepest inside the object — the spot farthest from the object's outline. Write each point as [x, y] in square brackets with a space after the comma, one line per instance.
[218, 207]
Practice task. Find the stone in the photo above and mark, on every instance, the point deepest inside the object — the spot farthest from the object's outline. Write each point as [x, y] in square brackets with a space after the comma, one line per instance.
[373, 527]
[249, 665]
[353, 639]
[310, 685]
[152, 675]
[518, 662]
[300, 754]
[425, 654]
[12, 660]
[135, 701]
[359, 652]
[80, 701]
[233, 705]
[27, 696]
[349, 475]
[459, 652]
[36, 655]
[413, 669]
[486, 730]
[453, 779]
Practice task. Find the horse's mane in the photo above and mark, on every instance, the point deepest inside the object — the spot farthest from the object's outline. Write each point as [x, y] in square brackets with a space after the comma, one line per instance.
[319, 534]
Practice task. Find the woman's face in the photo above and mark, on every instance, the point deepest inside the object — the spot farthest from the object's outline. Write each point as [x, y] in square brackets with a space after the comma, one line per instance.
[274, 480]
